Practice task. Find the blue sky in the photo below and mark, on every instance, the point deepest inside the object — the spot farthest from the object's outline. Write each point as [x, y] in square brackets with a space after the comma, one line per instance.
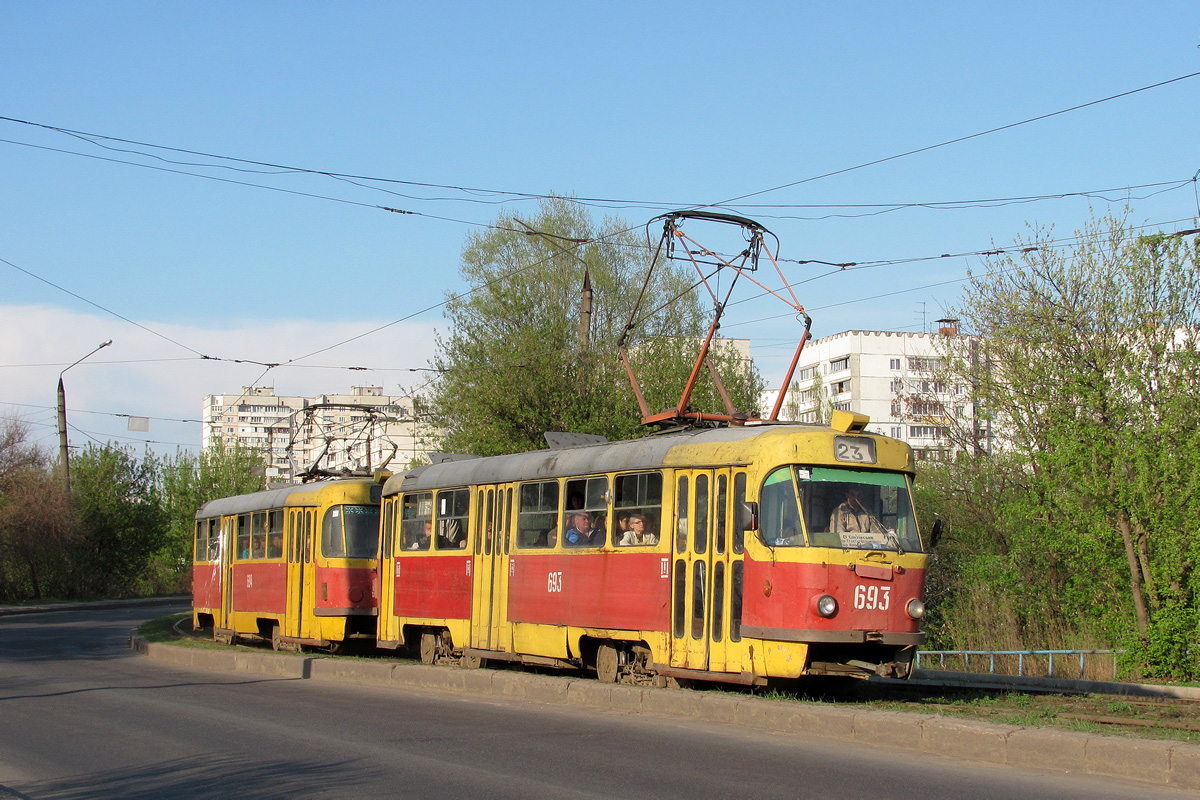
[679, 104]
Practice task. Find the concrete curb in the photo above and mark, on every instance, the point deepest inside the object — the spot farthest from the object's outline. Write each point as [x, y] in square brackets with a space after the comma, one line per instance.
[983, 680]
[1165, 763]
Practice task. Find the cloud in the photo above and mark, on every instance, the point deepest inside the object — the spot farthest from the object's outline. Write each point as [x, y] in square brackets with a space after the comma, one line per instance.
[155, 373]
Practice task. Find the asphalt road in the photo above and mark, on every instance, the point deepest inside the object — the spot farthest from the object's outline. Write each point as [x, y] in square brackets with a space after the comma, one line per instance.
[82, 716]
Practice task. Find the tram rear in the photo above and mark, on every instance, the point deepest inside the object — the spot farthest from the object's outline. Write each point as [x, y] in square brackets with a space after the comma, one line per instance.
[292, 566]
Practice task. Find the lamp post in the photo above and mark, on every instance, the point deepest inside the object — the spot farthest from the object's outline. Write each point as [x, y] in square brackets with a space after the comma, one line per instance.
[63, 454]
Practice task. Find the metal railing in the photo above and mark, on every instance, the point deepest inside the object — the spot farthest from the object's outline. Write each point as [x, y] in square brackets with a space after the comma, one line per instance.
[1023, 659]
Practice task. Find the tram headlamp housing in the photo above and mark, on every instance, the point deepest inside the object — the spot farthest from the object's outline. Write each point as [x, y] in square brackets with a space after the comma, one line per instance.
[916, 609]
[826, 606]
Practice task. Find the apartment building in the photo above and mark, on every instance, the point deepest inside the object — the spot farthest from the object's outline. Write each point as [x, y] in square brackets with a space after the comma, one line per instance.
[362, 430]
[892, 377]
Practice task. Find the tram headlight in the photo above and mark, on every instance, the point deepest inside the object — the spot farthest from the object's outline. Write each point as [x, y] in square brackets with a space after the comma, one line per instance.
[826, 606]
[916, 609]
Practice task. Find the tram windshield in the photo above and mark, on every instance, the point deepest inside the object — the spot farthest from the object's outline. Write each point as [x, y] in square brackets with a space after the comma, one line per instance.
[350, 532]
[832, 507]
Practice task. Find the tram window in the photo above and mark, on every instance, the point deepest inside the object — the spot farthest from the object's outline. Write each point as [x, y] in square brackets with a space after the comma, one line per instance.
[698, 607]
[681, 505]
[735, 602]
[333, 543]
[507, 518]
[200, 546]
[680, 596]
[416, 521]
[453, 506]
[258, 534]
[780, 512]
[489, 523]
[275, 533]
[389, 511]
[718, 595]
[858, 510]
[350, 531]
[308, 528]
[214, 539]
[586, 515]
[293, 542]
[721, 534]
[700, 528]
[243, 536]
[537, 515]
[637, 509]
[739, 499]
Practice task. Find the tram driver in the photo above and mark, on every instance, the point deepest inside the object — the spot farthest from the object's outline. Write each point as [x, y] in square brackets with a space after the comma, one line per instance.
[852, 516]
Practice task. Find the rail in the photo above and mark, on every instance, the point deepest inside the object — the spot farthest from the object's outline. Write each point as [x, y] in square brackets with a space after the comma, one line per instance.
[1024, 660]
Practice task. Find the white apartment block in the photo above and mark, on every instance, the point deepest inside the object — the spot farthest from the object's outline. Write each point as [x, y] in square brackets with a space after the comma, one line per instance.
[889, 376]
[363, 430]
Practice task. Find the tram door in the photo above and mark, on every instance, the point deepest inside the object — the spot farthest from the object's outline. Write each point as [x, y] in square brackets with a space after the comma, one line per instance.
[706, 556]
[228, 543]
[299, 570]
[388, 628]
[489, 597]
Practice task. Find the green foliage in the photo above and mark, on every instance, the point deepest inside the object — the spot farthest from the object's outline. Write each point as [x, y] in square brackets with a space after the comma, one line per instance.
[513, 367]
[187, 482]
[1080, 522]
[121, 521]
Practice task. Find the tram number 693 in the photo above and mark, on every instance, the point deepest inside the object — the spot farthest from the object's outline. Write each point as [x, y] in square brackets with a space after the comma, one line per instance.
[554, 582]
[873, 598]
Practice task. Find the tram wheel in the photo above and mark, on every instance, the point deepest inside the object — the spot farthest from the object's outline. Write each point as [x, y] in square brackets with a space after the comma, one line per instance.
[428, 647]
[471, 662]
[606, 663]
[277, 642]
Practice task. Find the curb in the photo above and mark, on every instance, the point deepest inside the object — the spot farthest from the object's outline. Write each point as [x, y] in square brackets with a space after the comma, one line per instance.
[1165, 763]
[984, 680]
[8, 611]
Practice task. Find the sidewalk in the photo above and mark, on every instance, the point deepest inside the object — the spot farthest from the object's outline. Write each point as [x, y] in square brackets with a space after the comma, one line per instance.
[1163, 763]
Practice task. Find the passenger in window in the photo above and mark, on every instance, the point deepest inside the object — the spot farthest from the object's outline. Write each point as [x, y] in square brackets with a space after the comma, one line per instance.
[421, 542]
[622, 527]
[275, 546]
[639, 532]
[580, 532]
[852, 515]
[599, 531]
[450, 535]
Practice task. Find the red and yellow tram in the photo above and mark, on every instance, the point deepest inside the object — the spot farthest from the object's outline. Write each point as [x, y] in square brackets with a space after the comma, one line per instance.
[733, 554]
[292, 566]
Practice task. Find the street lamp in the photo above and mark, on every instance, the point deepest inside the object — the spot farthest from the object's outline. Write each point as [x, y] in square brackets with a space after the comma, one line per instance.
[63, 454]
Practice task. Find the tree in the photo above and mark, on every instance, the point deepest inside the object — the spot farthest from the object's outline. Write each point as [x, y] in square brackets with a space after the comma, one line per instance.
[187, 482]
[513, 367]
[1086, 364]
[36, 525]
[122, 524]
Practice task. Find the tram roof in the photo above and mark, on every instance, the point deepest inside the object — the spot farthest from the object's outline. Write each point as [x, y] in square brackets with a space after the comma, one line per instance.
[260, 501]
[646, 453]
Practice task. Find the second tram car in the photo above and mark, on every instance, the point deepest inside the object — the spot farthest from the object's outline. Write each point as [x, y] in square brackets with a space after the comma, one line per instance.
[293, 566]
[732, 554]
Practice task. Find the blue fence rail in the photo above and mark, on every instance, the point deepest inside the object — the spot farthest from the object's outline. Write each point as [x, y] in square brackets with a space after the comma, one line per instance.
[1024, 659]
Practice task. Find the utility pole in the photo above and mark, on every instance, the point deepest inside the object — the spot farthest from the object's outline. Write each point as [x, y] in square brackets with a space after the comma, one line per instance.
[64, 454]
[585, 312]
